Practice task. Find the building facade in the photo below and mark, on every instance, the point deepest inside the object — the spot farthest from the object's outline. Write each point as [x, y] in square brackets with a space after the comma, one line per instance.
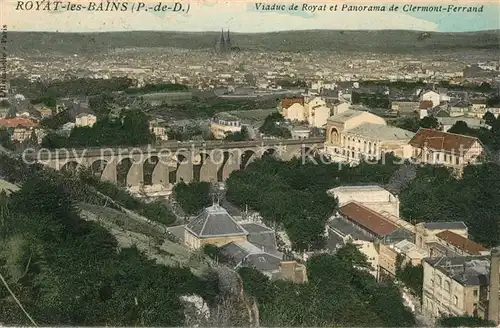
[353, 136]
[454, 286]
[443, 148]
[85, 120]
[223, 124]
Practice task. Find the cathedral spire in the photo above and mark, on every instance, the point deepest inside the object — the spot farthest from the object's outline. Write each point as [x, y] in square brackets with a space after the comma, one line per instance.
[222, 42]
[228, 41]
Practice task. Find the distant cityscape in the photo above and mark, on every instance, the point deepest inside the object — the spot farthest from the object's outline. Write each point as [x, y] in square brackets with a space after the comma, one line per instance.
[402, 231]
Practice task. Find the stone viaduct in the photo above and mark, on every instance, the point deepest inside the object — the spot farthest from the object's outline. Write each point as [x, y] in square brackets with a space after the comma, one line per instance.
[173, 161]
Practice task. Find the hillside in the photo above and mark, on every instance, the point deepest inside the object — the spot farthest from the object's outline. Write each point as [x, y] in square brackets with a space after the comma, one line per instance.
[389, 41]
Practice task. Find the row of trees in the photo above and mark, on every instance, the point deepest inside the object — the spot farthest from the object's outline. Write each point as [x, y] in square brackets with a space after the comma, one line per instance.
[67, 271]
[292, 195]
[340, 292]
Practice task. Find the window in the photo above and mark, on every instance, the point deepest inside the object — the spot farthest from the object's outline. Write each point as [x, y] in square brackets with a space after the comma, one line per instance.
[447, 286]
[455, 300]
[437, 157]
[475, 292]
[457, 160]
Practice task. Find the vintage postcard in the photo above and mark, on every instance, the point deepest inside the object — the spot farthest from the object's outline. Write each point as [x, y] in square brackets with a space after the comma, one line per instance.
[237, 163]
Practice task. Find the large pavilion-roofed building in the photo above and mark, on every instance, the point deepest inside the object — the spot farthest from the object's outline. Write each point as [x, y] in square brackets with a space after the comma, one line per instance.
[354, 135]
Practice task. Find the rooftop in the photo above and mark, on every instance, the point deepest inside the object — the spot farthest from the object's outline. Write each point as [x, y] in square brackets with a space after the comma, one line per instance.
[261, 236]
[444, 141]
[381, 132]
[426, 104]
[344, 229]
[17, 121]
[215, 221]
[347, 115]
[407, 247]
[464, 244]
[368, 219]
[456, 225]
[367, 188]
[247, 254]
[287, 102]
[466, 270]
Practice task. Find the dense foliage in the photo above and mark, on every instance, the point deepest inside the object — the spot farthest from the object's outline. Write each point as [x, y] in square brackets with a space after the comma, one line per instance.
[67, 271]
[161, 87]
[435, 195]
[293, 194]
[193, 197]
[414, 123]
[372, 100]
[274, 125]
[489, 137]
[238, 136]
[411, 276]
[465, 321]
[131, 130]
[340, 292]
[48, 92]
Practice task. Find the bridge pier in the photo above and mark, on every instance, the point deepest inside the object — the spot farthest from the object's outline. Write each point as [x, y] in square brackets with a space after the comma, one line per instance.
[184, 172]
[160, 174]
[228, 168]
[135, 175]
[208, 171]
[109, 173]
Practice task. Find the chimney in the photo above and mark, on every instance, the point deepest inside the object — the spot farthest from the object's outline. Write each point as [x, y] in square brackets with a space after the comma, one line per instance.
[494, 286]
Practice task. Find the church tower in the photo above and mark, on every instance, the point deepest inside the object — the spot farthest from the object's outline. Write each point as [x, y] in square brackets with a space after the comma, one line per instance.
[222, 43]
[228, 41]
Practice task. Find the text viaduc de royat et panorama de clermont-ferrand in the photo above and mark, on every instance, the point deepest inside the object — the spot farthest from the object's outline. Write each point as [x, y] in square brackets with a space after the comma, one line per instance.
[43, 5]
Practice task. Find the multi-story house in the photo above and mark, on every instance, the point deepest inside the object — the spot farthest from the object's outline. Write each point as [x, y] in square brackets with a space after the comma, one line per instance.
[443, 148]
[455, 285]
[224, 124]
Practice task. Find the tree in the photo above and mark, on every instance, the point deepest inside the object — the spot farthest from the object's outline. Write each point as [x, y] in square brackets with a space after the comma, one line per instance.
[460, 127]
[429, 122]
[5, 140]
[274, 126]
[238, 136]
[193, 197]
[489, 118]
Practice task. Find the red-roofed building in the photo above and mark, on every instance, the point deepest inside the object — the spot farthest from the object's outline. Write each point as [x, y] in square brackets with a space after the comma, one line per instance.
[22, 128]
[287, 102]
[444, 148]
[367, 219]
[17, 122]
[460, 244]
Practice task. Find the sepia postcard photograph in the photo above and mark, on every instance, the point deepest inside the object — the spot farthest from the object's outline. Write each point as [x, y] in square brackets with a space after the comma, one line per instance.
[249, 164]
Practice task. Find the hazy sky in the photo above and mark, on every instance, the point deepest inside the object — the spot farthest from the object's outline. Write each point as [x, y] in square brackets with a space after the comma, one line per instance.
[242, 17]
